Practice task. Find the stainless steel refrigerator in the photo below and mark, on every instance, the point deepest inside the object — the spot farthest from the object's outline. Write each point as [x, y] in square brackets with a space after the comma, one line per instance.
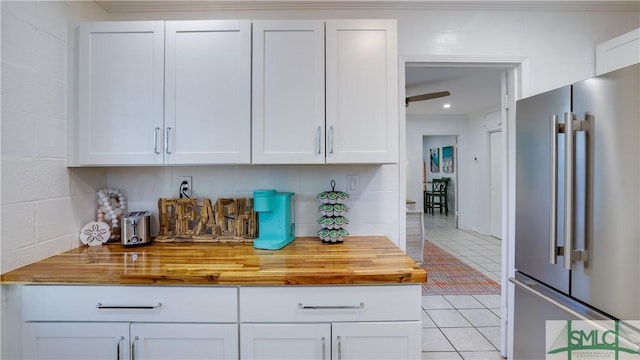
[577, 229]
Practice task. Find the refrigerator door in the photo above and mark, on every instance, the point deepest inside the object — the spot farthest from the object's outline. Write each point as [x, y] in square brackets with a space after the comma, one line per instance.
[608, 279]
[534, 186]
[535, 304]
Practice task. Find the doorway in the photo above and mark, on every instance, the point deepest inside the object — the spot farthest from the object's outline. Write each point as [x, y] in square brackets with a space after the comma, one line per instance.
[512, 80]
[445, 148]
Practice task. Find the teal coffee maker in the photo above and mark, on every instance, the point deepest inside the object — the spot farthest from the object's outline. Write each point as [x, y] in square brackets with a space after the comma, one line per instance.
[276, 226]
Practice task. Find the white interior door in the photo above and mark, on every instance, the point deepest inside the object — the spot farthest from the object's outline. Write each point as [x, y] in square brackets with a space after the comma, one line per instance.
[496, 149]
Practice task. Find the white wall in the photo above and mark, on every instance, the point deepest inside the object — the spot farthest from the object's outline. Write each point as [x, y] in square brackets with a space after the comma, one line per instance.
[43, 203]
[477, 203]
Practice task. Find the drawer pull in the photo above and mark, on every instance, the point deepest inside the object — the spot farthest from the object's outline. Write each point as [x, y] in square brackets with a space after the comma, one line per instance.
[338, 307]
[126, 307]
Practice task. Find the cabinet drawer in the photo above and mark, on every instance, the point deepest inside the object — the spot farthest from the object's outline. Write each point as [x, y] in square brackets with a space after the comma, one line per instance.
[129, 303]
[330, 303]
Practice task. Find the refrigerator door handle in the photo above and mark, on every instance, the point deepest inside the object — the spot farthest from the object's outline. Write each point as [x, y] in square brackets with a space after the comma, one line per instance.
[570, 127]
[569, 151]
[553, 238]
[595, 319]
[529, 286]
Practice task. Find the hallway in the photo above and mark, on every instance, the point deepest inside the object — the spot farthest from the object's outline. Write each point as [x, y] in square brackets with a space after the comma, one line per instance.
[462, 326]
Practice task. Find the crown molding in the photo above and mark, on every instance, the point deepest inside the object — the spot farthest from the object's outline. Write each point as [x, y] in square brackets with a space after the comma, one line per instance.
[119, 6]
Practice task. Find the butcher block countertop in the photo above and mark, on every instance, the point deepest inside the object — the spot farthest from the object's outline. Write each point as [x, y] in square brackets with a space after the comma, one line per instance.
[306, 261]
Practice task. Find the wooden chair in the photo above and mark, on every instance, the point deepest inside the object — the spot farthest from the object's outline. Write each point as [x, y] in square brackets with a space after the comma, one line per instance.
[437, 196]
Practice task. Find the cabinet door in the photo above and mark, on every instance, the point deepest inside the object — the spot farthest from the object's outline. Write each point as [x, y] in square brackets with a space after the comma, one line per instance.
[362, 91]
[288, 118]
[184, 341]
[207, 92]
[121, 72]
[389, 340]
[77, 340]
[285, 341]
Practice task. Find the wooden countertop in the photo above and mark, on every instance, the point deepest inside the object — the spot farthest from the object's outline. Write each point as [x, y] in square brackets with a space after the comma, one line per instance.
[306, 261]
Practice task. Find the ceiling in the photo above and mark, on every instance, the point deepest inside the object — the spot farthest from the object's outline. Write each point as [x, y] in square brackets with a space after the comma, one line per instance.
[472, 89]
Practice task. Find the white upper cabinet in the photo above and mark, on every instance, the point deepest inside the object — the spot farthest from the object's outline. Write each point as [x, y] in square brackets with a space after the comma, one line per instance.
[145, 101]
[207, 92]
[619, 52]
[362, 91]
[188, 92]
[290, 69]
[121, 92]
[288, 92]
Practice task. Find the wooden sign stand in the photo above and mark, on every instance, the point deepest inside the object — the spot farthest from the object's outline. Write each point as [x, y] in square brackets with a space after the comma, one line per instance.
[186, 220]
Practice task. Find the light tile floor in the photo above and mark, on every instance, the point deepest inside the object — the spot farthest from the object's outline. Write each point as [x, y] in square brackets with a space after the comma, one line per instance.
[482, 252]
[462, 326]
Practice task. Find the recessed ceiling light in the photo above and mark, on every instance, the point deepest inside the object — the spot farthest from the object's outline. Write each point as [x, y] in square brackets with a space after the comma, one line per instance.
[446, 106]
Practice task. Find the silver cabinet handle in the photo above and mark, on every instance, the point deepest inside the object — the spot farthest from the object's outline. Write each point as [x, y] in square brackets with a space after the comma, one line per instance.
[128, 307]
[155, 141]
[118, 348]
[553, 239]
[331, 139]
[339, 348]
[569, 158]
[324, 348]
[133, 348]
[318, 141]
[330, 307]
[167, 141]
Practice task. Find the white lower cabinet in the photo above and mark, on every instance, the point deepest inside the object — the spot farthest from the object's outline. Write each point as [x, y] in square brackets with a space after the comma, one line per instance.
[338, 341]
[254, 322]
[96, 340]
[334, 322]
[285, 341]
[129, 322]
[72, 340]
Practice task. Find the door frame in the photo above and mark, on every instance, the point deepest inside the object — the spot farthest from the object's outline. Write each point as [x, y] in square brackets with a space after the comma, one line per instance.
[490, 133]
[517, 85]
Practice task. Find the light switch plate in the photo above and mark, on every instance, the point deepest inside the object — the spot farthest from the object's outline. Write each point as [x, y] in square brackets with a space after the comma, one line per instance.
[353, 184]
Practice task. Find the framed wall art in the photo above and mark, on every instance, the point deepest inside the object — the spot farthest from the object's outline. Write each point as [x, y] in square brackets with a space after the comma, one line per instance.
[447, 159]
[434, 155]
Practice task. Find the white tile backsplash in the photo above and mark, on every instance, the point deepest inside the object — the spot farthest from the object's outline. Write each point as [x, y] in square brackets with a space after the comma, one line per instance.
[14, 122]
[143, 186]
[51, 56]
[52, 219]
[51, 138]
[44, 203]
[18, 42]
[18, 226]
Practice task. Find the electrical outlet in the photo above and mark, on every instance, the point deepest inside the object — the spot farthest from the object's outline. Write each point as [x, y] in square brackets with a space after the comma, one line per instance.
[185, 186]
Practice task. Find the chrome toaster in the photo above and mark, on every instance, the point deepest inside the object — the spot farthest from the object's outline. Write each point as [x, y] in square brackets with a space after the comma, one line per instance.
[136, 228]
